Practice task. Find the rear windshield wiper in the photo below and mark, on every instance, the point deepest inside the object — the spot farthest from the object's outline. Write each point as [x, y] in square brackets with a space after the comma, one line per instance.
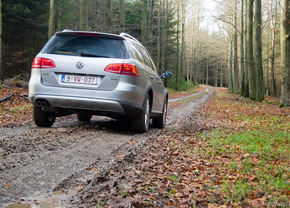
[92, 55]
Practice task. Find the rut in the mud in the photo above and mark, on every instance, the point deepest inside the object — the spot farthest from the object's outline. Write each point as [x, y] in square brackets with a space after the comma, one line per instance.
[36, 161]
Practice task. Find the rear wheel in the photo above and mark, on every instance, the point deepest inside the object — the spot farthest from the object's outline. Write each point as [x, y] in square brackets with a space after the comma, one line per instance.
[160, 122]
[140, 123]
[84, 117]
[42, 118]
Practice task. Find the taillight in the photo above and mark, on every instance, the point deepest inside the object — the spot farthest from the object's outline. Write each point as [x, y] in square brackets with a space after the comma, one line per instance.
[39, 62]
[114, 68]
[128, 69]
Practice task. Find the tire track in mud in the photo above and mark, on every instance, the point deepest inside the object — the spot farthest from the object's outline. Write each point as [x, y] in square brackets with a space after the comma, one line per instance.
[70, 154]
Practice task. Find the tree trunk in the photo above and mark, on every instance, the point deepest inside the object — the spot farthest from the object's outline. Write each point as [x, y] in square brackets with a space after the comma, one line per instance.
[197, 65]
[99, 16]
[230, 76]
[144, 23]
[158, 37]
[1, 38]
[216, 74]
[192, 59]
[250, 55]
[150, 24]
[207, 71]
[183, 48]
[258, 52]
[267, 88]
[197, 51]
[221, 81]
[246, 90]
[236, 69]
[83, 15]
[163, 37]
[166, 31]
[272, 84]
[59, 14]
[242, 61]
[108, 15]
[52, 24]
[177, 46]
[122, 16]
[285, 53]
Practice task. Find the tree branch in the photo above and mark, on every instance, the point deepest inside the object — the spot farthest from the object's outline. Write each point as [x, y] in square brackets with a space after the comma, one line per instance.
[6, 97]
[228, 23]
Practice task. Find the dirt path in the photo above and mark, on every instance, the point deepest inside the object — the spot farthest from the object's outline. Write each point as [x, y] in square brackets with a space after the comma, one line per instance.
[34, 162]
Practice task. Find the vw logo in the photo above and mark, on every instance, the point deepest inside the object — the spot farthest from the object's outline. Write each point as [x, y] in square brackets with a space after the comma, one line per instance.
[80, 65]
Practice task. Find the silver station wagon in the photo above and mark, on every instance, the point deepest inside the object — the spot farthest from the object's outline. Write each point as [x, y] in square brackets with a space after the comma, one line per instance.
[92, 73]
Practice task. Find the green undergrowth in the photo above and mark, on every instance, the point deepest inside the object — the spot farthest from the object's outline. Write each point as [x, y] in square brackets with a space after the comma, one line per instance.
[253, 150]
[260, 158]
[182, 85]
[16, 109]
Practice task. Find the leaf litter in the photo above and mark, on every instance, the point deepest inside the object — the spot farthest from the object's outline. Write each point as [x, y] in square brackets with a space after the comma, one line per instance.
[193, 164]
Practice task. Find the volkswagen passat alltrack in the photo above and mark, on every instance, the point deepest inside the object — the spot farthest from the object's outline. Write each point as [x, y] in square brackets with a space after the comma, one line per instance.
[92, 73]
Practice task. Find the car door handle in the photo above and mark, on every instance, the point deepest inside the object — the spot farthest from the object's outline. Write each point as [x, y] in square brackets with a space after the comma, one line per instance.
[152, 77]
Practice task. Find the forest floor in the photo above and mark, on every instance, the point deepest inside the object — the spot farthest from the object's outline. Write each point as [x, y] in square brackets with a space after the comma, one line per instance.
[232, 152]
[218, 150]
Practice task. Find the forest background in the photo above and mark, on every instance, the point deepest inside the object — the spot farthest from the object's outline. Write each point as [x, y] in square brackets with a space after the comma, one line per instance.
[248, 53]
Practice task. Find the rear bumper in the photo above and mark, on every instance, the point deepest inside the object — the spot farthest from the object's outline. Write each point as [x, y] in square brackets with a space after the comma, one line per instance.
[80, 103]
[126, 100]
[97, 106]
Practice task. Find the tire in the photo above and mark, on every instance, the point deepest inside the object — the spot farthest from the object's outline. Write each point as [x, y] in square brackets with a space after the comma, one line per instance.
[42, 118]
[140, 124]
[84, 117]
[160, 122]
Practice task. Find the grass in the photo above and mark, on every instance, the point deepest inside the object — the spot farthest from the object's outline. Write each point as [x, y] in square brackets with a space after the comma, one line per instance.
[16, 109]
[255, 139]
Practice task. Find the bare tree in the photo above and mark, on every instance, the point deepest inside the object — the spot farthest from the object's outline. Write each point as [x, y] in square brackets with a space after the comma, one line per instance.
[258, 52]
[177, 45]
[236, 69]
[122, 16]
[108, 15]
[158, 35]
[52, 23]
[285, 53]
[249, 52]
[0, 35]
[242, 59]
[272, 84]
[83, 15]
[144, 28]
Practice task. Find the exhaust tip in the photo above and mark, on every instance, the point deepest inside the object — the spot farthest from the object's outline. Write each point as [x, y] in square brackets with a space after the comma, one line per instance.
[44, 104]
[38, 104]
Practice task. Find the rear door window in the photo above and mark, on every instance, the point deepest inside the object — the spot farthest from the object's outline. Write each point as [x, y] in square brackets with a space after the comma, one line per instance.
[147, 59]
[81, 45]
[138, 53]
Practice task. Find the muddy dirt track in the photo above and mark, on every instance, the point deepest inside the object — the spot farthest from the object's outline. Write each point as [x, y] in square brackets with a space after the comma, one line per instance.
[44, 163]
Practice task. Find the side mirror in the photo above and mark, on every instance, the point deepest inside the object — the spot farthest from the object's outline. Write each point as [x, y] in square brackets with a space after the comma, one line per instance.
[165, 75]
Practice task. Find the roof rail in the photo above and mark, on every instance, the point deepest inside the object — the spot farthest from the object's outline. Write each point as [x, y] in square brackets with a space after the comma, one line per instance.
[67, 30]
[129, 36]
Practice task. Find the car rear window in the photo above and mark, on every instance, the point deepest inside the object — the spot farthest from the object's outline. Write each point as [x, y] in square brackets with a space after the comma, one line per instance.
[83, 45]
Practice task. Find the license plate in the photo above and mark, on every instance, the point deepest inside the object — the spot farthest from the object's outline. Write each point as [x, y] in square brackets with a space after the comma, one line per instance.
[79, 79]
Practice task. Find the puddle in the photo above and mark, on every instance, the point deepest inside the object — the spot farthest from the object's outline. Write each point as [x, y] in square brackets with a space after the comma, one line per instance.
[37, 205]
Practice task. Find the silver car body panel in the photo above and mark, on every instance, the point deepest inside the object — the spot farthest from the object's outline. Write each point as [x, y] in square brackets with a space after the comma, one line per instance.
[115, 93]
